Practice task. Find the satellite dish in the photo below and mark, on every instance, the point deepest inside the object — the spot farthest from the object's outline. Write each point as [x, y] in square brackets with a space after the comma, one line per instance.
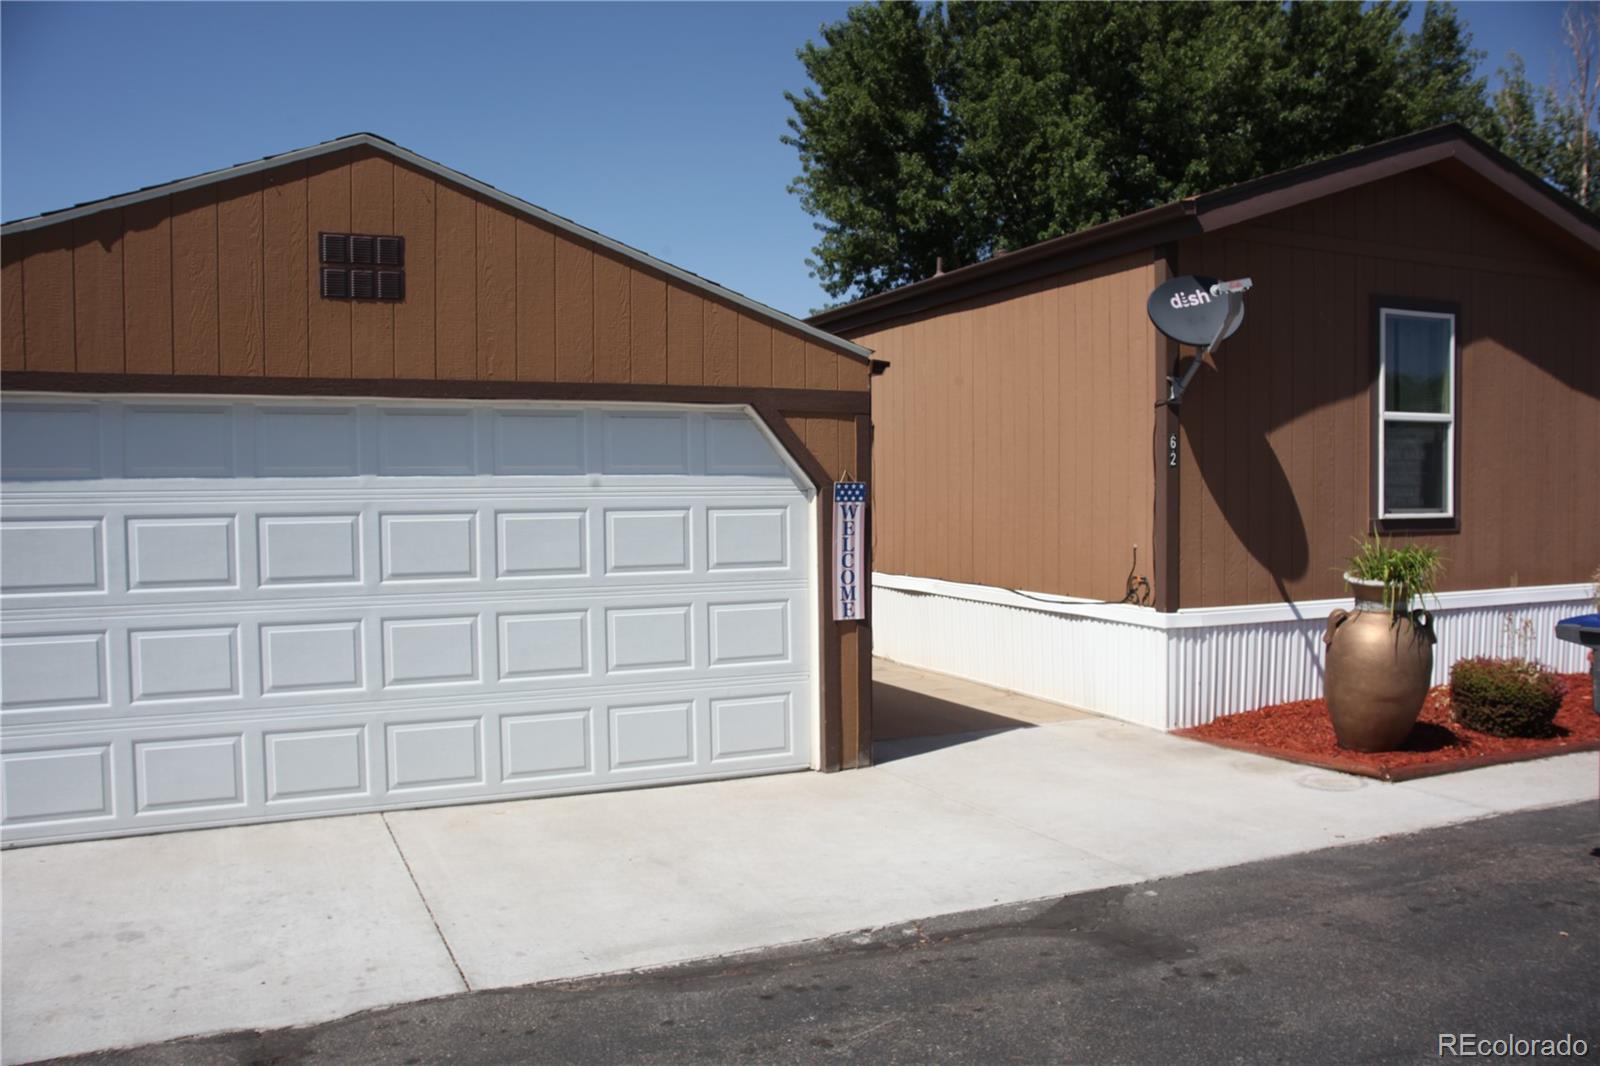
[1197, 311]
[1186, 310]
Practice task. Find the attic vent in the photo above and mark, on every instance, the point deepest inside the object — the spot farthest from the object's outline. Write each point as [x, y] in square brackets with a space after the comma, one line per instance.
[391, 251]
[335, 284]
[335, 247]
[362, 250]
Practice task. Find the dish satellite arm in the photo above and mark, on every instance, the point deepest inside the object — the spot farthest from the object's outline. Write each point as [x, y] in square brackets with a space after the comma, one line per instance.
[1233, 293]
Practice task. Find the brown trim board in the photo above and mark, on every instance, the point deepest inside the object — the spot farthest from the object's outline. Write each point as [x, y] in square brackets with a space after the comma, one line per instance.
[1085, 248]
[1167, 445]
[810, 401]
[828, 636]
[863, 628]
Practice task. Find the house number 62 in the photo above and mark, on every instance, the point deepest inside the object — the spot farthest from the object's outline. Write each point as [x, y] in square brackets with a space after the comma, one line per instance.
[1172, 449]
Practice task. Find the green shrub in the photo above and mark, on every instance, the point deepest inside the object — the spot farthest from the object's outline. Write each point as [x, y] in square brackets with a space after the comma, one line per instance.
[1505, 697]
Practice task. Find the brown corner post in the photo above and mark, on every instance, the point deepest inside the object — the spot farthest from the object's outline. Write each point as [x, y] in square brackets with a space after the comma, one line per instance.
[1166, 445]
[863, 628]
[828, 637]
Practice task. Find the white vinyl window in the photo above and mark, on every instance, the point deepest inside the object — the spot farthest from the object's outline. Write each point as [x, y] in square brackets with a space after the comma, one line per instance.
[1416, 403]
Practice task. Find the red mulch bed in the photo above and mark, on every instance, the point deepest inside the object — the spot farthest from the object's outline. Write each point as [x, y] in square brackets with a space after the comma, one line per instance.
[1301, 732]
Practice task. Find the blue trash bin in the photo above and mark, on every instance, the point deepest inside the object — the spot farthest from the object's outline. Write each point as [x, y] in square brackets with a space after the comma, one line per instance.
[1584, 629]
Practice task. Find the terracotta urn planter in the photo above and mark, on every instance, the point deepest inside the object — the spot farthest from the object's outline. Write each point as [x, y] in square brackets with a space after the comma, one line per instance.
[1380, 659]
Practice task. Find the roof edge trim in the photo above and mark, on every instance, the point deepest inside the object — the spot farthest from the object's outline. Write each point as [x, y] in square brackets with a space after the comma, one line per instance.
[1246, 200]
[455, 177]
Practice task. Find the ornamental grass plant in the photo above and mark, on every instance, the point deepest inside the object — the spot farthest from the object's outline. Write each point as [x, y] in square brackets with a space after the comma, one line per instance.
[1407, 571]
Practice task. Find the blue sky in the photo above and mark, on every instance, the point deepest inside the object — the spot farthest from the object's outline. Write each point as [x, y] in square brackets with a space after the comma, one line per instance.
[656, 124]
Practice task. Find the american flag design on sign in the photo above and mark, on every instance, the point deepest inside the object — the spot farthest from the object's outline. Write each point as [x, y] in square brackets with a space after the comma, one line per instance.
[850, 492]
[849, 551]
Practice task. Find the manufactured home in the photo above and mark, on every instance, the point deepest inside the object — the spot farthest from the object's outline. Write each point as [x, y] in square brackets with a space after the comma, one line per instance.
[341, 481]
[1419, 358]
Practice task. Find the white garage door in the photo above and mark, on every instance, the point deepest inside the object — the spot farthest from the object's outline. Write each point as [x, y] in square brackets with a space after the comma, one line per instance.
[229, 611]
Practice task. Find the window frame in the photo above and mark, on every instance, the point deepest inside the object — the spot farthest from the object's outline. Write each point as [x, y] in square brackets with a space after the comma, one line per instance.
[1449, 519]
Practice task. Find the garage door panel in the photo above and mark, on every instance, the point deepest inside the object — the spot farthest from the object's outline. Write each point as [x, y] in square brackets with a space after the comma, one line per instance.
[57, 785]
[194, 773]
[758, 727]
[433, 755]
[546, 544]
[653, 638]
[220, 612]
[748, 633]
[294, 551]
[552, 443]
[307, 765]
[54, 670]
[320, 657]
[546, 746]
[50, 441]
[323, 762]
[539, 645]
[734, 445]
[307, 442]
[747, 538]
[262, 549]
[431, 650]
[640, 443]
[428, 546]
[40, 556]
[182, 551]
[438, 443]
[179, 664]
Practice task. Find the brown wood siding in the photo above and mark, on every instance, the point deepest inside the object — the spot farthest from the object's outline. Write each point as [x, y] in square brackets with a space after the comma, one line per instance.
[1012, 442]
[372, 210]
[13, 352]
[241, 256]
[1277, 441]
[327, 210]
[223, 280]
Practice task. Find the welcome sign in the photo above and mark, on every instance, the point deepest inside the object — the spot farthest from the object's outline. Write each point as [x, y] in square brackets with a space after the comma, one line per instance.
[849, 550]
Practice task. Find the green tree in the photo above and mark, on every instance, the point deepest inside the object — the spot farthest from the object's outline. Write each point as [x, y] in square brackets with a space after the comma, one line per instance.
[1554, 131]
[875, 147]
[1519, 128]
[1439, 63]
[954, 130]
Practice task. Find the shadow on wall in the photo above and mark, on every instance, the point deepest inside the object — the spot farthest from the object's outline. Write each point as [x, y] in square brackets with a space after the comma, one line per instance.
[1265, 383]
[1244, 476]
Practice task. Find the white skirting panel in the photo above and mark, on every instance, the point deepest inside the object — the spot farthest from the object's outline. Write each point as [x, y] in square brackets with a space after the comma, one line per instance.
[1111, 668]
[1171, 671]
[1230, 667]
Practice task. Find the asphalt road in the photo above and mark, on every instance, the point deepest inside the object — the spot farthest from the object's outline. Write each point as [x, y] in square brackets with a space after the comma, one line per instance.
[1357, 954]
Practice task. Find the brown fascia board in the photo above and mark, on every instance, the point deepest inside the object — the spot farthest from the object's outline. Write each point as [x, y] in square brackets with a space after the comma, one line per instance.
[1145, 229]
[1226, 207]
[465, 181]
[1277, 192]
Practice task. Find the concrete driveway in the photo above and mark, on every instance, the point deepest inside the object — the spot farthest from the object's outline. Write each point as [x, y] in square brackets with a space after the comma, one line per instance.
[124, 942]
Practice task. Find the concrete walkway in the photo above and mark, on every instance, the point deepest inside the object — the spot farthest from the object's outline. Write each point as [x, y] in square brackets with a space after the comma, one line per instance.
[124, 942]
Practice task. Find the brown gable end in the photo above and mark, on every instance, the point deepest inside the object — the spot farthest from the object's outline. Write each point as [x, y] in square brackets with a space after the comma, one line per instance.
[221, 280]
